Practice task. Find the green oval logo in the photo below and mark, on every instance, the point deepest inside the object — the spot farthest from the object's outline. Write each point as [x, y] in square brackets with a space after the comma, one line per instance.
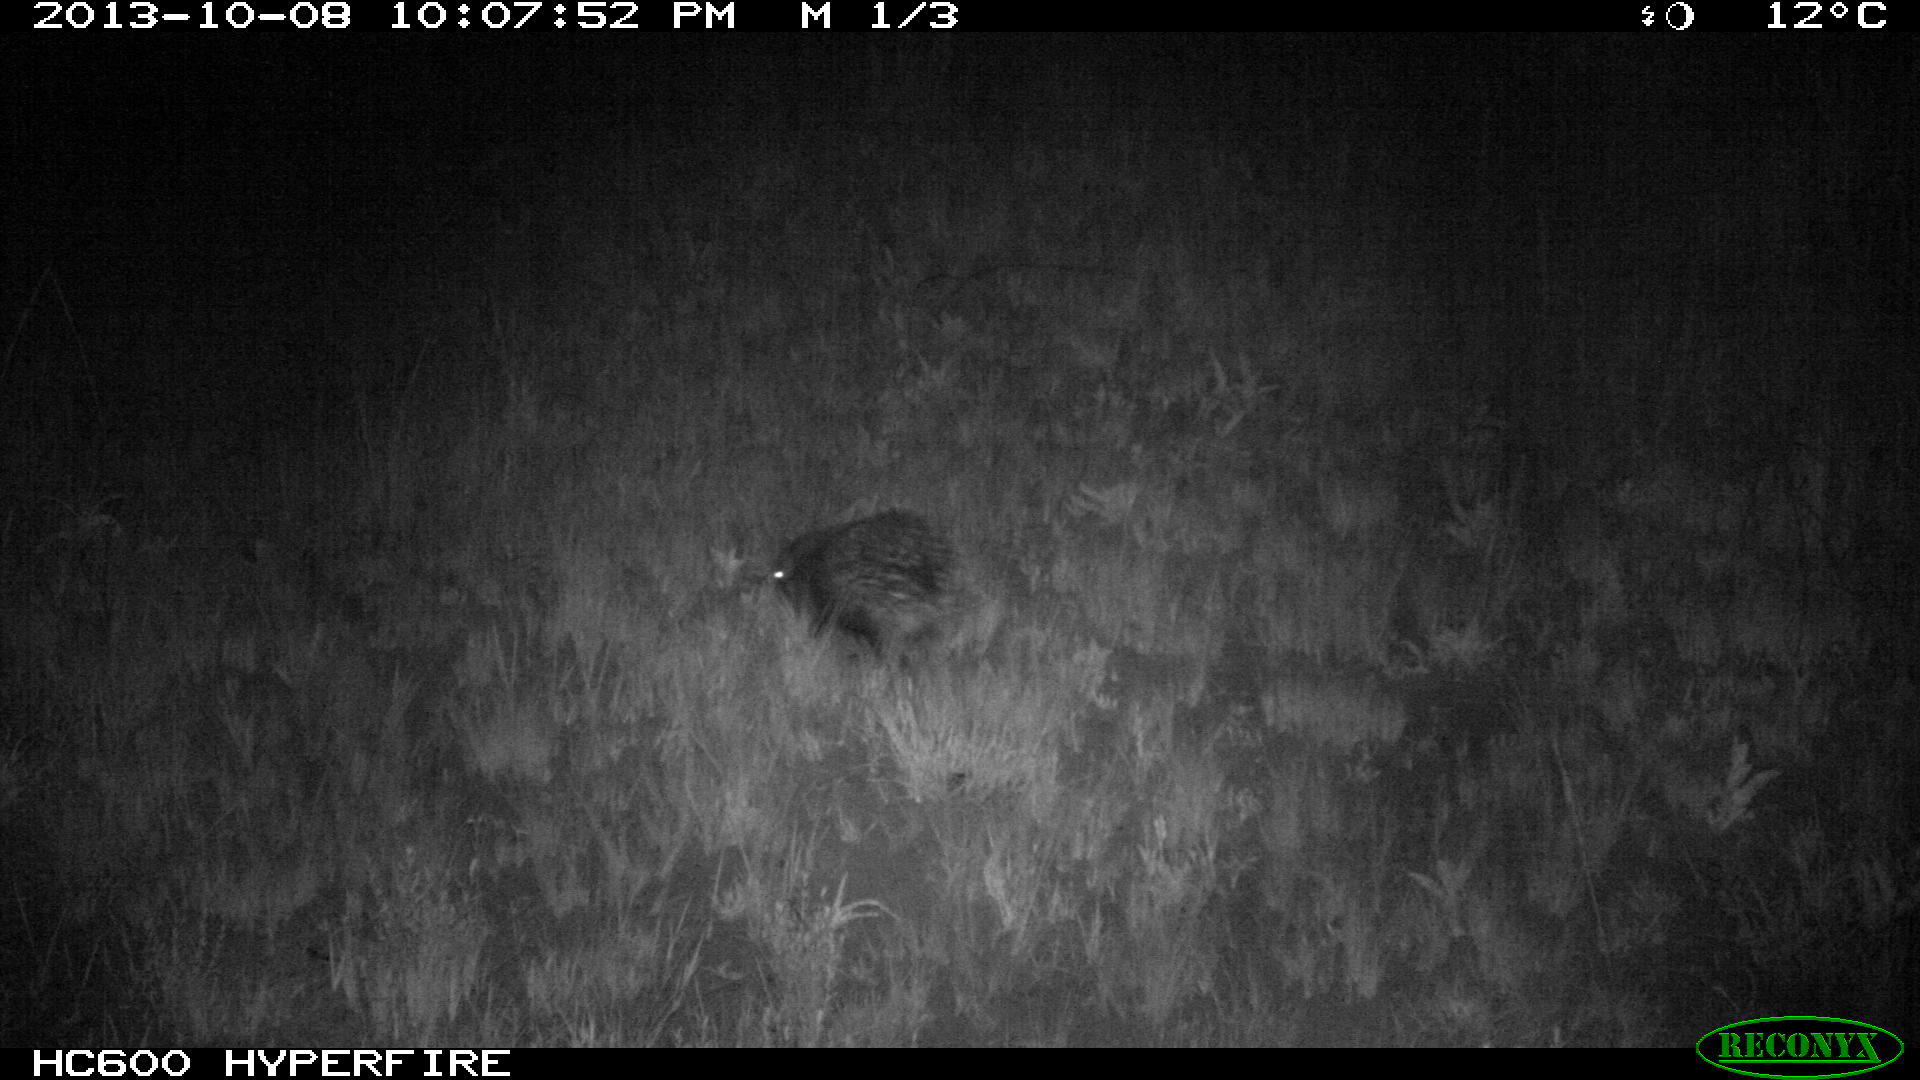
[1799, 1047]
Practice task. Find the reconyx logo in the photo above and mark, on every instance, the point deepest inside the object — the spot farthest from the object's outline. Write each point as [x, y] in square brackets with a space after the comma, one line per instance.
[1799, 1047]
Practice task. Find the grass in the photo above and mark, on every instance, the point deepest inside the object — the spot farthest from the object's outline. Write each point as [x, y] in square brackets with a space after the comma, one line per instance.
[1325, 675]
